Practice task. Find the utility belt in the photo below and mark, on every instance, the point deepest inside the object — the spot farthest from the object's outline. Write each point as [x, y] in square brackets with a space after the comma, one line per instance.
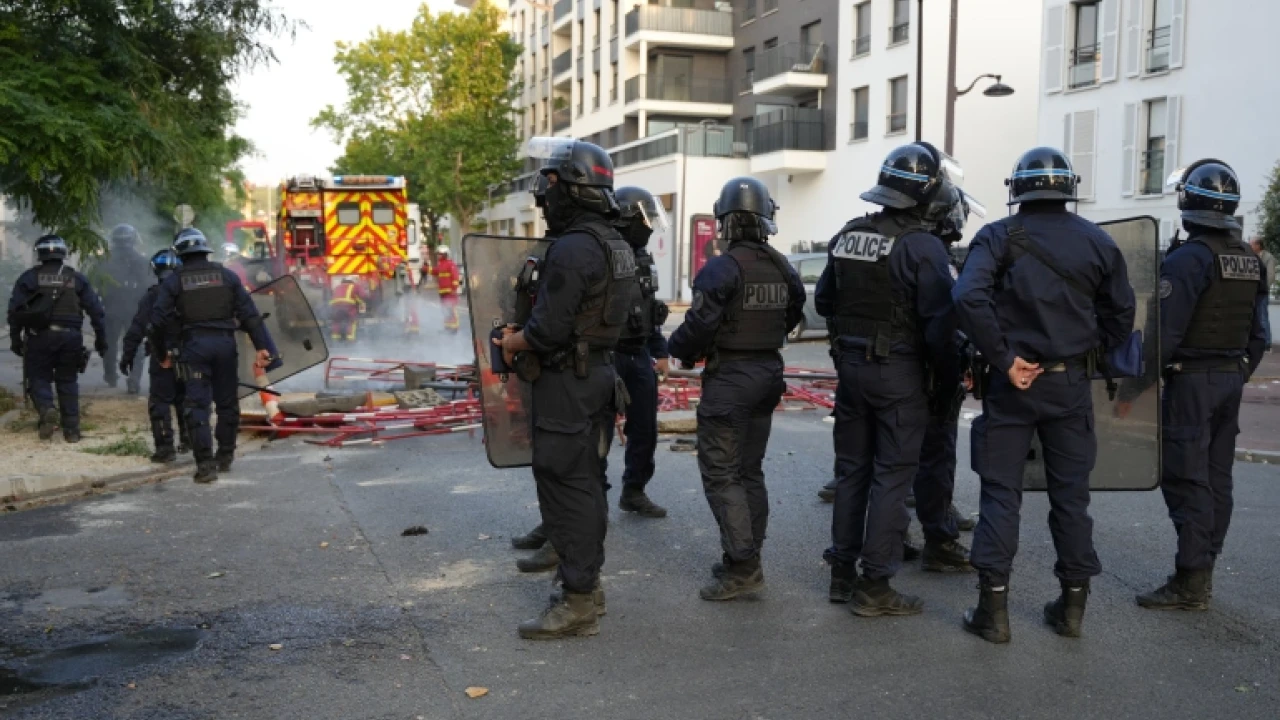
[1061, 366]
[54, 328]
[880, 336]
[206, 332]
[1219, 364]
[718, 356]
[632, 346]
[581, 358]
[982, 370]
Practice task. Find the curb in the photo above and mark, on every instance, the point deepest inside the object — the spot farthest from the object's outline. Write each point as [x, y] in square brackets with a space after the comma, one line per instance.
[1265, 457]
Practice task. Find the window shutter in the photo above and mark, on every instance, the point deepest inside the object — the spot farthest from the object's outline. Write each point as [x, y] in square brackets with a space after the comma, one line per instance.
[1055, 43]
[1178, 33]
[1129, 155]
[1066, 136]
[1173, 129]
[1166, 234]
[1133, 39]
[1110, 10]
[1084, 147]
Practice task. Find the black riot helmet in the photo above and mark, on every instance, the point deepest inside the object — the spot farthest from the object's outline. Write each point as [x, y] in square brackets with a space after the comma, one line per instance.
[584, 172]
[909, 177]
[123, 236]
[745, 211]
[1042, 173]
[948, 212]
[191, 242]
[640, 215]
[1208, 194]
[165, 262]
[51, 247]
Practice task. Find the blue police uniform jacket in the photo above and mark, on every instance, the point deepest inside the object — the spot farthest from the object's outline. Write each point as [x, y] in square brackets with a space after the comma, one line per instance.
[90, 305]
[165, 317]
[1186, 273]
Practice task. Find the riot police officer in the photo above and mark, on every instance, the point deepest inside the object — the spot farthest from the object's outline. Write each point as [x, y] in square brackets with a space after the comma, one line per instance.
[122, 280]
[744, 304]
[1040, 291]
[581, 307]
[886, 294]
[1213, 298]
[640, 343]
[164, 393]
[197, 311]
[48, 306]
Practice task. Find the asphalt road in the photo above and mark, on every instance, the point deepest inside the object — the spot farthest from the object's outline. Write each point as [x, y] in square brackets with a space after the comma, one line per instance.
[302, 547]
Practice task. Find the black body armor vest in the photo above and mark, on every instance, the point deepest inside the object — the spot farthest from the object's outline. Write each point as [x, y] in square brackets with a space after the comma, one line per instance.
[206, 295]
[642, 307]
[1223, 318]
[603, 312]
[60, 279]
[866, 304]
[757, 317]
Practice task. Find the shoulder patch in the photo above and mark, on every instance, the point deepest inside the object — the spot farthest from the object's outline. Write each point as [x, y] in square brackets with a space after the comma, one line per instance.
[1166, 289]
[862, 246]
[1239, 267]
[698, 300]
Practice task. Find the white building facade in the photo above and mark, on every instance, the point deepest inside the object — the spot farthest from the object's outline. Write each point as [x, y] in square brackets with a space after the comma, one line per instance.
[1136, 89]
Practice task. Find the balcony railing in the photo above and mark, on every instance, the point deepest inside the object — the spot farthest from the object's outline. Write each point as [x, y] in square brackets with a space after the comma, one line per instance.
[595, 59]
[1083, 71]
[561, 9]
[798, 129]
[859, 129]
[691, 140]
[900, 33]
[580, 108]
[1158, 46]
[613, 94]
[561, 64]
[561, 119]
[679, 89]
[582, 9]
[861, 45]
[581, 65]
[679, 20]
[595, 101]
[791, 57]
[613, 49]
[768, 6]
[748, 12]
[1152, 173]
[545, 40]
[748, 82]
[546, 87]
[897, 123]
[595, 4]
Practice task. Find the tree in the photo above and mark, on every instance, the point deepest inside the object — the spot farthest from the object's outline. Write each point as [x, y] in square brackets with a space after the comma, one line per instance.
[124, 98]
[1269, 213]
[433, 103]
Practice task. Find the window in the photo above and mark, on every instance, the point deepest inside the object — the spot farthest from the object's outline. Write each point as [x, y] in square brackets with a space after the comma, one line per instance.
[862, 29]
[859, 128]
[595, 102]
[1152, 162]
[383, 214]
[1080, 142]
[748, 125]
[749, 62]
[810, 270]
[771, 43]
[1160, 36]
[1083, 70]
[900, 32]
[810, 35]
[348, 214]
[897, 106]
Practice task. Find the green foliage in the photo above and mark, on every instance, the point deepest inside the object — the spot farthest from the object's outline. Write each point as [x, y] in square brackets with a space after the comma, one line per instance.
[125, 97]
[131, 445]
[8, 400]
[432, 103]
[1269, 213]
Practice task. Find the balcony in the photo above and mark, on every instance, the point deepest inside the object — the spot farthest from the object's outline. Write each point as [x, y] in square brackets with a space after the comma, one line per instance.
[595, 58]
[679, 28]
[791, 69]
[862, 46]
[1158, 46]
[580, 108]
[582, 10]
[580, 66]
[595, 102]
[561, 67]
[691, 141]
[545, 38]
[899, 34]
[679, 95]
[789, 142]
[561, 15]
[896, 123]
[595, 4]
[1083, 70]
[613, 48]
[1151, 180]
[613, 94]
[561, 119]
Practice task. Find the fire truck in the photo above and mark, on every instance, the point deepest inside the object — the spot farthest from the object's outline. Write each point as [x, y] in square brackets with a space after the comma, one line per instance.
[346, 226]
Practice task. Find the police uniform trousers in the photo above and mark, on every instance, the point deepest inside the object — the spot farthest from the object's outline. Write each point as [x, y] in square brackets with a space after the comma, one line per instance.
[116, 327]
[1201, 412]
[164, 395]
[571, 417]
[52, 358]
[881, 413]
[1059, 407]
[735, 416]
[935, 481]
[635, 369]
[212, 377]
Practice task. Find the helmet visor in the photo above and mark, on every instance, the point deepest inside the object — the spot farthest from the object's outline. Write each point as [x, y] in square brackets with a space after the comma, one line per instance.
[549, 149]
[650, 212]
[974, 207]
[951, 169]
[1174, 181]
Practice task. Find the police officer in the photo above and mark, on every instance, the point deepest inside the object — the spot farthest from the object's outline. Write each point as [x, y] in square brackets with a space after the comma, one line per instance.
[581, 306]
[886, 292]
[123, 278]
[640, 343]
[1040, 291]
[196, 314]
[1213, 298]
[164, 393]
[744, 304]
[48, 305]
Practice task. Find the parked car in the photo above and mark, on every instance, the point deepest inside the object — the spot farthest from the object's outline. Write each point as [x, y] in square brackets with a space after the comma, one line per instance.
[810, 267]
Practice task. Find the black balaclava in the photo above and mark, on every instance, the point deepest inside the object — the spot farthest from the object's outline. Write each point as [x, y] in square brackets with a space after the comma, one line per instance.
[636, 232]
[560, 210]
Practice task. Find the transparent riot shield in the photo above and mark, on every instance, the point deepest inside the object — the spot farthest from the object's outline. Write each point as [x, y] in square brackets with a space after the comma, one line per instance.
[494, 266]
[1129, 447]
[288, 317]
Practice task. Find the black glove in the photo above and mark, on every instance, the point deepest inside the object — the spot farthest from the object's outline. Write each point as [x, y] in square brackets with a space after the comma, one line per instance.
[126, 367]
[276, 362]
[100, 347]
[16, 345]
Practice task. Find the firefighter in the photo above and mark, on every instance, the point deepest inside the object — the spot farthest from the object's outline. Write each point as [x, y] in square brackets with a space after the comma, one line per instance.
[345, 308]
[446, 273]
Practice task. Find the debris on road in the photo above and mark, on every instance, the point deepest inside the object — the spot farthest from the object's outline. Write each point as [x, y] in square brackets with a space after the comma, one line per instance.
[275, 647]
[477, 692]
[214, 575]
[415, 530]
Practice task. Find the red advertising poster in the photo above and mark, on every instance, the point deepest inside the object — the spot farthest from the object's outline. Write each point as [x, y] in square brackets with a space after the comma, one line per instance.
[704, 246]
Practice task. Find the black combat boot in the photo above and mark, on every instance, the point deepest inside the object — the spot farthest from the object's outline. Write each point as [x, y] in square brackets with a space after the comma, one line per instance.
[184, 436]
[545, 559]
[990, 620]
[535, 539]
[738, 578]
[1067, 612]
[873, 598]
[206, 471]
[720, 568]
[947, 557]
[843, 578]
[964, 524]
[909, 552]
[568, 615]
[164, 454]
[48, 423]
[224, 458]
[1185, 590]
[828, 492]
[634, 500]
[71, 434]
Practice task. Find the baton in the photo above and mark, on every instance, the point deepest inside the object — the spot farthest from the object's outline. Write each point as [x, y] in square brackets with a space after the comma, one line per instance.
[268, 391]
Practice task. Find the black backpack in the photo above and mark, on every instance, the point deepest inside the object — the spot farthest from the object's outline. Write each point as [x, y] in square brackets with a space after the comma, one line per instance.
[36, 313]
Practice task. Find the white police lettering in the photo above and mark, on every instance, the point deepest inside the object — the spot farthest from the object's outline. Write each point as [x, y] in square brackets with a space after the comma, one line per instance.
[866, 247]
[624, 263]
[46, 280]
[765, 296]
[201, 280]
[1239, 267]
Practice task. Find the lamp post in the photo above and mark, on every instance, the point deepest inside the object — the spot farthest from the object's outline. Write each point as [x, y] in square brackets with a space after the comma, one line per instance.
[997, 89]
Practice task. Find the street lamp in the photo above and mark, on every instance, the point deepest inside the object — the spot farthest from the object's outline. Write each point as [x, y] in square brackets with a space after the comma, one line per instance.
[998, 89]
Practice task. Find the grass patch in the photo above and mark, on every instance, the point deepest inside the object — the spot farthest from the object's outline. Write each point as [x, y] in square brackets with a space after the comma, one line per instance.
[131, 445]
[8, 400]
[30, 422]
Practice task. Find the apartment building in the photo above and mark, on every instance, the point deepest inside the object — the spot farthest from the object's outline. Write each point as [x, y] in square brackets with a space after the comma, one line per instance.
[1136, 89]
